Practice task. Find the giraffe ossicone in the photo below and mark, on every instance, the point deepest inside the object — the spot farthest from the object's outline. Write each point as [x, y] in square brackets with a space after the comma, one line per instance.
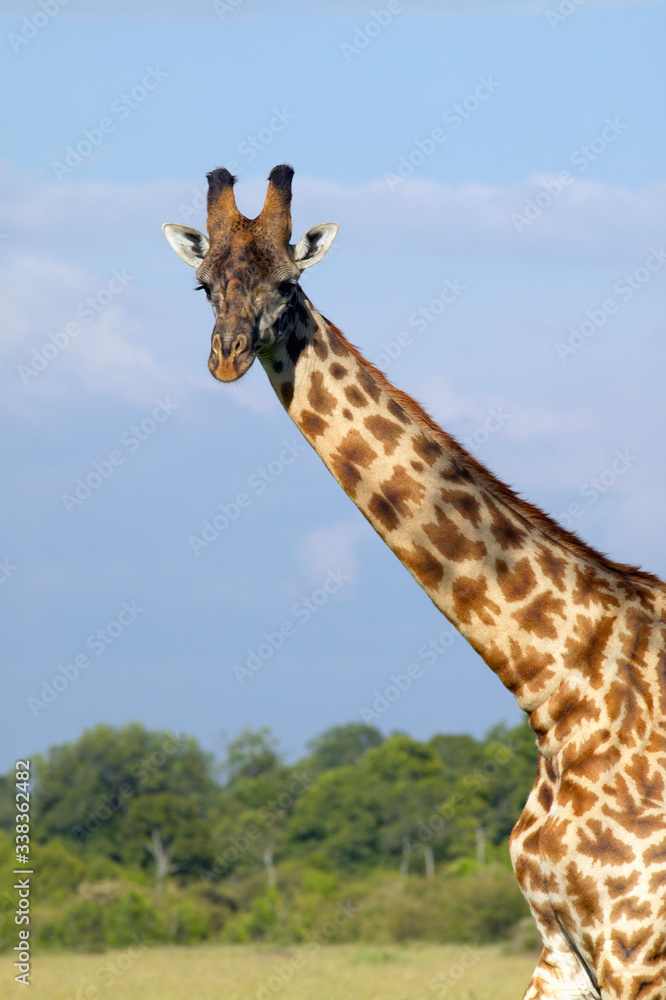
[579, 639]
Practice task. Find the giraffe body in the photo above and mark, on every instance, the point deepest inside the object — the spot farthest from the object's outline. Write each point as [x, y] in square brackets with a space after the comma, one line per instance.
[578, 639]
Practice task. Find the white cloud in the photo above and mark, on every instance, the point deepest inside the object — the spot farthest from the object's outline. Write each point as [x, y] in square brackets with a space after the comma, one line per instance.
[64, 239]
[589, 221]
[474, 421]
[50, 346]
[333, 547]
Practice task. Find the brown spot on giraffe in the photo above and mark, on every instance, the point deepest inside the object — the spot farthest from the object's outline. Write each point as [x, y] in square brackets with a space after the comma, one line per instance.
[387, 432]
[552, 565]
[632, 909]
[355, 396]
[448, 539]
[591, 586]
[625, 945]
[427, 449]
[384, 511]
[320, 348]
[519, 581]
[620, 885]
[523, 670]
[397, 411]
[539, 616]
[576, 795]
[506, 529]
[553, 840]
[401, 490]
[287, 393]
[422, 564]
[368, 384]
[311, 424]
[585, 649]
[319, 397]
[470, 598]
[597, 841]
[583, 894]
[353, 454]
[335, 345]
[464, 503]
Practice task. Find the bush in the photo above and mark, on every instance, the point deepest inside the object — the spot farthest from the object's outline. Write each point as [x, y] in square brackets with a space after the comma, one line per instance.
[105, 919]
[481, 907]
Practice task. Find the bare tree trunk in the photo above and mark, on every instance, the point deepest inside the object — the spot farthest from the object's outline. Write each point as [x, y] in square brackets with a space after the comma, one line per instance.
[271, 872]
[429, 861]
[406, 856]
[163, 856]
[480, 846]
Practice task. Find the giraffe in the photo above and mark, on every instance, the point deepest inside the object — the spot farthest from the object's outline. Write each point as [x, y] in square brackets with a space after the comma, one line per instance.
[579, 639]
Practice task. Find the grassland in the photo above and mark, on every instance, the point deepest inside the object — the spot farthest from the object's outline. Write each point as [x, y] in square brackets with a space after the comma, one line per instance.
[244, 972]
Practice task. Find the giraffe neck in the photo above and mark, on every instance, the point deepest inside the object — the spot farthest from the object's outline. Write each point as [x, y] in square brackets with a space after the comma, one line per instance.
[544, 611]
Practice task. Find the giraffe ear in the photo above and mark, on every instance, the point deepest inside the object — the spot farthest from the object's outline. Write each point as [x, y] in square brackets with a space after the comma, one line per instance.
[313, 245]
[190, 245]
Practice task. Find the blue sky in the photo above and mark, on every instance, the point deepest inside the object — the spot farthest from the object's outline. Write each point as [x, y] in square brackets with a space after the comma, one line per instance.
[531, 140]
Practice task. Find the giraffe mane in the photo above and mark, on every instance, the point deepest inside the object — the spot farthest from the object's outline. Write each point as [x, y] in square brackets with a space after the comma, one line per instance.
[529, 511]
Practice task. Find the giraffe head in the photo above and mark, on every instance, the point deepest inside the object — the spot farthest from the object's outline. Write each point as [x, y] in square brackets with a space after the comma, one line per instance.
[247, 268]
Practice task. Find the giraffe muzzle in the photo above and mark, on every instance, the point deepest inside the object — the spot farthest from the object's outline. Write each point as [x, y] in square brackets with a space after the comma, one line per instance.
[230, 356]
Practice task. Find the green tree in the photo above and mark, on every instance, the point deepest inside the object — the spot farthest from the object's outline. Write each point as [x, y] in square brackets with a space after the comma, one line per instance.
[254, 752]
[510, 763]
[171, 829]
[255, 805]
[7, 801]
[336, 822]
[83, 790]
[340, 746]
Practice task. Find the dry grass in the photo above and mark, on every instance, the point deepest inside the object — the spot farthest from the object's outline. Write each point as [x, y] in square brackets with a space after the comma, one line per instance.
[223, 972]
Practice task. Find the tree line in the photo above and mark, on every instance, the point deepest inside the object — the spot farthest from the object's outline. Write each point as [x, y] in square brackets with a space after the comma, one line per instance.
[154, 813]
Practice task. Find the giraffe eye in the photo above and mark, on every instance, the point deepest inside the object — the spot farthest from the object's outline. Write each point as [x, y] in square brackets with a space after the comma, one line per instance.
[204, 288]
[285, 288]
